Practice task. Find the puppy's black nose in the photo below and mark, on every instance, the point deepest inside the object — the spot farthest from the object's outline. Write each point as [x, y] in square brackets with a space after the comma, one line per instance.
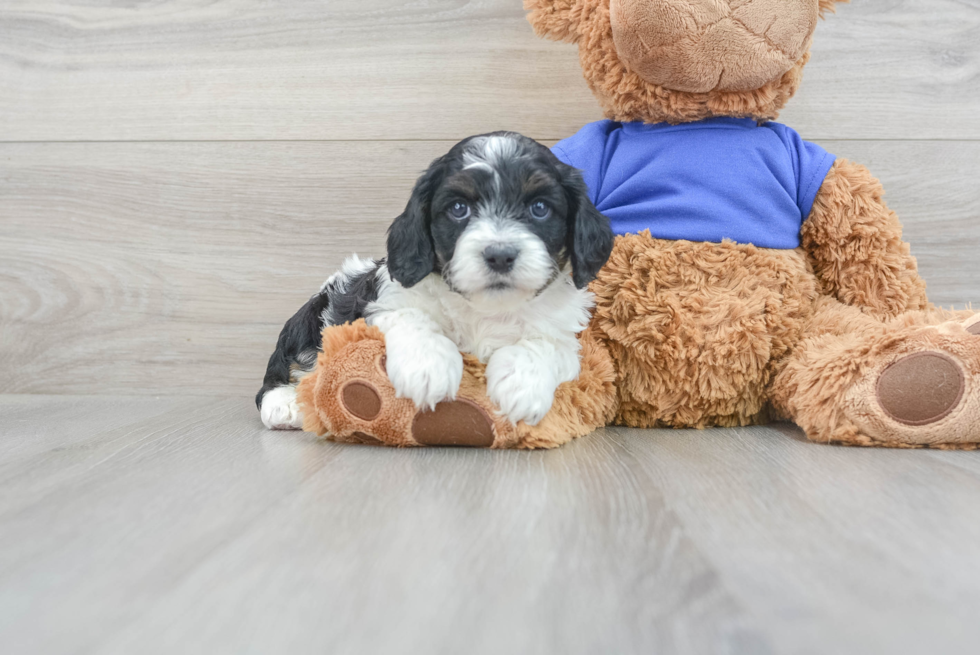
[500, 259]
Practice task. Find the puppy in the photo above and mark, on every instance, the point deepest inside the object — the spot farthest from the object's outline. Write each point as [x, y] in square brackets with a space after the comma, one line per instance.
[490, 257]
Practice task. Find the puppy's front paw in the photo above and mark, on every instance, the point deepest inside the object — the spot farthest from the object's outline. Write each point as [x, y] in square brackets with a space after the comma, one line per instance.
[280, 410]
[426, 374]
[519, 386]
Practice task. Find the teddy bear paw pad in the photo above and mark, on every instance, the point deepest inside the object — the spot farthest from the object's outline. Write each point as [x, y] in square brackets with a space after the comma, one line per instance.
[454, 423]
[364, 439]
[972, 325]
[921, 388]
[361, 400]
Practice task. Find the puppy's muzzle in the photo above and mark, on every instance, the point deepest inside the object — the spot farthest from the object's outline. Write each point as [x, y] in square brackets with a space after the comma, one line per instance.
[499, 258]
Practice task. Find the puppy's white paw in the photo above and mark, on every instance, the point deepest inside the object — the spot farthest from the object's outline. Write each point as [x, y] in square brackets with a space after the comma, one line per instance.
[280, 410]
[427, 373]
[519, 385]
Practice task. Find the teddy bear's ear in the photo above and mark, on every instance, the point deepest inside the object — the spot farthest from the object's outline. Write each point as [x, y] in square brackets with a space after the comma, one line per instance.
[827, 6]
[555, 19]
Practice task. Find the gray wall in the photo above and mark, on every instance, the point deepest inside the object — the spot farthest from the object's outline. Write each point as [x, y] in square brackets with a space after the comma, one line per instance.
[176, 178]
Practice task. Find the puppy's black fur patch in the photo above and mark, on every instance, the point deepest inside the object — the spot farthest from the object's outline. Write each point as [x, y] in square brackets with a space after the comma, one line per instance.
[299, 341]
[349, 299]
[299, 336]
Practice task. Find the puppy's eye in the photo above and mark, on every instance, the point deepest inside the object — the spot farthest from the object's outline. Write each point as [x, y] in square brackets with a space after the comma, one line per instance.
[459, 211]
[540, 210]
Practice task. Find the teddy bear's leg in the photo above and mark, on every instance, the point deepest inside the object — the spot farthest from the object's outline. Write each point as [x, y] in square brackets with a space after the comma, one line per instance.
[912, 381]
[348, 397]
[854, 243]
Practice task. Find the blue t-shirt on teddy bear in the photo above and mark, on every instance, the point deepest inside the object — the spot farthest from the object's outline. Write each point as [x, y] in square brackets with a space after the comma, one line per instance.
[719, 178]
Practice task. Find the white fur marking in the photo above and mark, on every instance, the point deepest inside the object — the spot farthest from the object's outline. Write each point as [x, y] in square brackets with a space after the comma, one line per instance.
[490, 153]
[468, 271]
[422, 364]
[521, 379]
[280, 410]
[497, 149]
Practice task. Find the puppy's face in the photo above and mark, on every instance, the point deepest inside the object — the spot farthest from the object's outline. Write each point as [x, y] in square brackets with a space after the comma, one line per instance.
[499, 223]
[498, 216]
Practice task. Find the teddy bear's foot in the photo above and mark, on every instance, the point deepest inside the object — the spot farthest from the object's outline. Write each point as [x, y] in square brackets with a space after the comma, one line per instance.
[915, 387]
[972, 324]
[348, 397]
[925, 393]
[461, 422]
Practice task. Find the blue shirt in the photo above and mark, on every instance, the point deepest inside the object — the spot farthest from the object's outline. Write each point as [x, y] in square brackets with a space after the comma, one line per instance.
[720, 178]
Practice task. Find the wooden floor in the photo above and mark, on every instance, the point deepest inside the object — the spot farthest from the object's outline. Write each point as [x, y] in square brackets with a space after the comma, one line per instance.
[179, 525]
[177, 176]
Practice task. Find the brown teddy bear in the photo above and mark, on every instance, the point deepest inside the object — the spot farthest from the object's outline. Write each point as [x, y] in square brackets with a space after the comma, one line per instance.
[756, 277]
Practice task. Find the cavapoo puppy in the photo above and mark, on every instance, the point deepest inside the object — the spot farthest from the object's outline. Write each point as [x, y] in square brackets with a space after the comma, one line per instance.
[492, 257]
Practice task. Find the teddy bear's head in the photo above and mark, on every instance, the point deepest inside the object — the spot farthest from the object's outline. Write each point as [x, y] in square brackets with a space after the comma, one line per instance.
[684, 60]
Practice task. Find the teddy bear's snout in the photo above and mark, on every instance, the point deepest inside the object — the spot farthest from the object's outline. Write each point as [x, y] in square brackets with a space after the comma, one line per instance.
[699, 46]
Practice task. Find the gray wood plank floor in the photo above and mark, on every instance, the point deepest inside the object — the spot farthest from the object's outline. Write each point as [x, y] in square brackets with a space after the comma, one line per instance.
[179, 525]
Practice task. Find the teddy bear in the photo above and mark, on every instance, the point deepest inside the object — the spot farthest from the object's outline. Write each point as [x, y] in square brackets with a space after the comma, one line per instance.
[754, 276]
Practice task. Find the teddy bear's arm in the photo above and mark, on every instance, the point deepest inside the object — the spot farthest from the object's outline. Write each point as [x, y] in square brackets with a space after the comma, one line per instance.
[854, 243]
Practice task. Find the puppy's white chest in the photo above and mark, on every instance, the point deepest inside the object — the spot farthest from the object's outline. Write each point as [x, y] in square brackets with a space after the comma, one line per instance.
[484, 335]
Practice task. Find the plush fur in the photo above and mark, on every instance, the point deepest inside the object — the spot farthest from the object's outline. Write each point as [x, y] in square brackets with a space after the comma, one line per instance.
[708, 46]
[697, 330]
[854, 244]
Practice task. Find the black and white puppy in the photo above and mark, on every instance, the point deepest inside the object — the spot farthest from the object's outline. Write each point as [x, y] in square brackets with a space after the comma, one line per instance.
[491, 257]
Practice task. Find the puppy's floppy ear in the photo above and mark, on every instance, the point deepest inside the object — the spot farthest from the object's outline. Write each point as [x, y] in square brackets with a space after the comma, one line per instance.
[590, 238]
[411, 254]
